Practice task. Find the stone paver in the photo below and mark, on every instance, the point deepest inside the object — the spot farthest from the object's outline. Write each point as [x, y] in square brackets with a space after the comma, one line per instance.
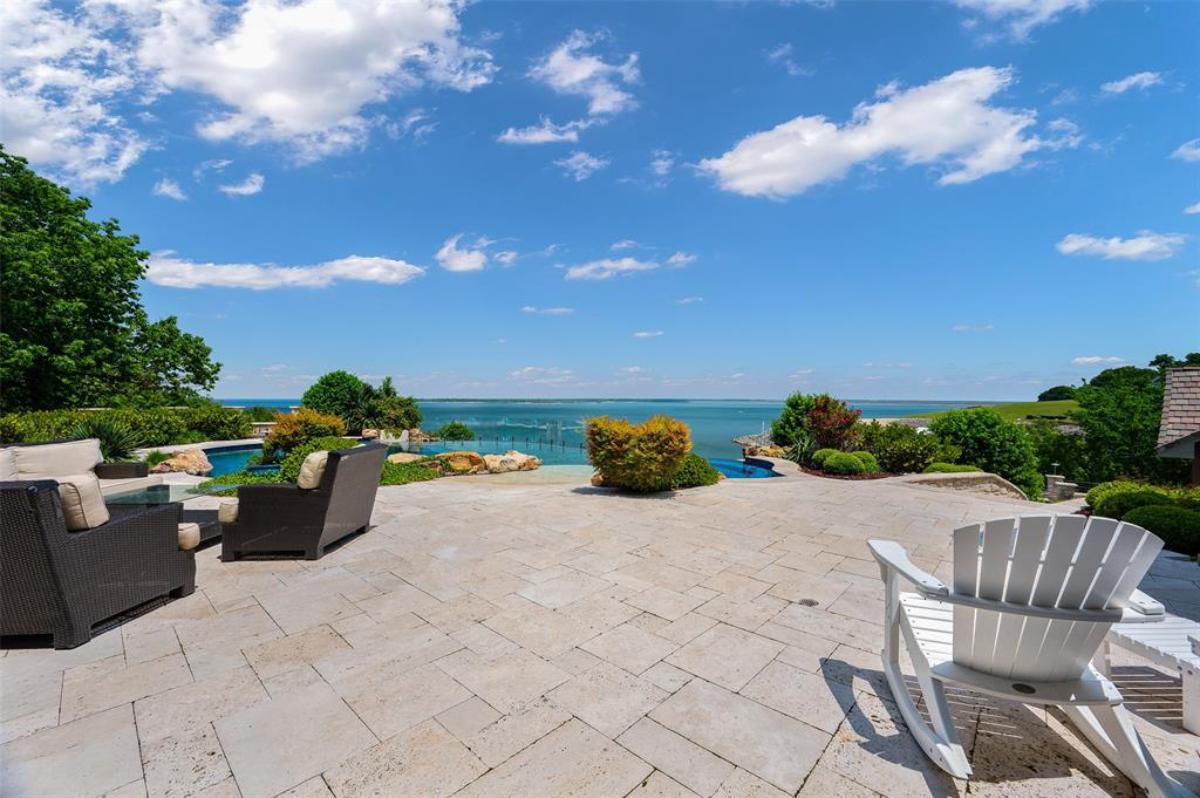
[493, 637]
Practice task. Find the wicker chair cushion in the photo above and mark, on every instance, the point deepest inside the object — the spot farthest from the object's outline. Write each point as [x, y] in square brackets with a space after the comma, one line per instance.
[54, 460]
[189, 536]
[82, 501]
[312, 470]
[227, 511]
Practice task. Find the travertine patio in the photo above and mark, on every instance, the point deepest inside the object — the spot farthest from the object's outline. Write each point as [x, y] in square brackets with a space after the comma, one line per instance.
[498, 639]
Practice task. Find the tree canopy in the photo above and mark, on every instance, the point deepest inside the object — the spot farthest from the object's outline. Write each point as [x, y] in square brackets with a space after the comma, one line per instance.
[73, 332]
[360, 405]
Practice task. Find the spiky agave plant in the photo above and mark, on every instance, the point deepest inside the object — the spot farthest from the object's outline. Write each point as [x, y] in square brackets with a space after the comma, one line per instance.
[117, 440]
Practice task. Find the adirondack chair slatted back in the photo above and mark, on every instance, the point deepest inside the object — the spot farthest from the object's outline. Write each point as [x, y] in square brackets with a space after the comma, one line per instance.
[1065, 561]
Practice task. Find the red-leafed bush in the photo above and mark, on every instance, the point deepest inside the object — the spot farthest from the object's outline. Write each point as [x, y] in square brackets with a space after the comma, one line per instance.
[830, 421]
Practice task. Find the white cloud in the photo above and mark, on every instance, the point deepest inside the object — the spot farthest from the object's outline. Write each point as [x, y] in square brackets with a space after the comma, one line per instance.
[1146, 245]
[580, 165]
[799, 375]
[605, 268]
[533, 309]
[571, 68]
[662, 162]
[470, 258]
[166, 269]
[540, 375]
[544, 132]
[625, 243]
[1022, 16]
[301, 72]
[1192, 209]
[214, 165]
[947, 123]
[689, 300]
[1093, 360]
[782, 55]
[170, 189]
[60, 77]
[251, 185]
[647, 333]
[681, 259]
[416, 125]
[971, 328]
[1138, 80]
[506, 257]
[1188, 151]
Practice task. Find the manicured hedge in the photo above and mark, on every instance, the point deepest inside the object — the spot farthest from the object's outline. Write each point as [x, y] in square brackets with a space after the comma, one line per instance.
[820, 455]
[161, 426]
[289, 469]
[1177, 526]
[1117, 505]
[950, 468]
[843, 463]
[638, 457]
[870, 464]
[695, 472]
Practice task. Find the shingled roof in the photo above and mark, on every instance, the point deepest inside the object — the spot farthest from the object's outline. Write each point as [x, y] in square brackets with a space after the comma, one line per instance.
[1181, 411]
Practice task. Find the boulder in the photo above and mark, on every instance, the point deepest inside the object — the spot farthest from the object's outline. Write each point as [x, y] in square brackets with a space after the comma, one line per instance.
[597, 480]
[511, 460]
[190, 461]
[461, 462]
[405, 457]
[370, 434]
[765, 451]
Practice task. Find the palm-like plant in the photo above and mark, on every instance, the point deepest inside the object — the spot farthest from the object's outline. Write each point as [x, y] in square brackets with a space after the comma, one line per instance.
[117, 440]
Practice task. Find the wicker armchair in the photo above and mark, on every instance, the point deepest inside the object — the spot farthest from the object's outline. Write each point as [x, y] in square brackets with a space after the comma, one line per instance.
[289, 521]
[63, 584]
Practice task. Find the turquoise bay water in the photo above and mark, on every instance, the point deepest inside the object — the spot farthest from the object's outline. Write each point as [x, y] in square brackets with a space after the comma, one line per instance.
[553, 429]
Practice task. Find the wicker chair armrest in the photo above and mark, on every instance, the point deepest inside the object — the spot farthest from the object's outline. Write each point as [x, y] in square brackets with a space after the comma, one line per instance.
[155, 527]
[270, 505]
[122, 470]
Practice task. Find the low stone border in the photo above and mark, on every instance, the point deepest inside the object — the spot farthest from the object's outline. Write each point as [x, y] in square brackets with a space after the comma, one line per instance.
[971, 481]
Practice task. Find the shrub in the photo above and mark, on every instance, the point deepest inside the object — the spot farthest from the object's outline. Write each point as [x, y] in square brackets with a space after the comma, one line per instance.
[900, 449]
[294, 429]
[1178, 527]
[456, 431]
[643, 457]
[1058, 452]
[820, 455]
[117, 439]
[950, 468]
[1057, 393]
[792, 425]
[160, 426]
[342, 394]
[1105, 489]
[868, 460]
[843, 463]
[157, 456]
[239, 478]
[216, 423]
[695, 472]
[261, 413]
[1116, 505]
[289, 468]
[830, 421]
[395, 413]
[403, 473]
[994, 444]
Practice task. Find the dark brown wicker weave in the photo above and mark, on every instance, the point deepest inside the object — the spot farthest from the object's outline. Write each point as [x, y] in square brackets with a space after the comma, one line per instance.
[63, 584]
[284, 520]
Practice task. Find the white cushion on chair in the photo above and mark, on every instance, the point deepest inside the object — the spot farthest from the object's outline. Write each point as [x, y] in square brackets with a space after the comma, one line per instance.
[227, 511]
[82, 501]
[52, 460]
[8, 465]
[189, 536]
[312, 470]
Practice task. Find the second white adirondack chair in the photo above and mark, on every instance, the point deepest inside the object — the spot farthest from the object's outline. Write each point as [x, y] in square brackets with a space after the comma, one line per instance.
[1032, 599]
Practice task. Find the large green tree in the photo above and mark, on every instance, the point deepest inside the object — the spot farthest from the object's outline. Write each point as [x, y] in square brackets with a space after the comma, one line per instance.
[73, 332]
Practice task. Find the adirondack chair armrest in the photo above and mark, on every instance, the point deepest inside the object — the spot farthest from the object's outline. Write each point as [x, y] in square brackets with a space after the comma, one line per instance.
[1142, 608]
[892, 556]
[1052, 613]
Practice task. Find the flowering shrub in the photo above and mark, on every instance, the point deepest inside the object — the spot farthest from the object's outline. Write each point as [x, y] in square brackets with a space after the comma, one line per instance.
[291, 430]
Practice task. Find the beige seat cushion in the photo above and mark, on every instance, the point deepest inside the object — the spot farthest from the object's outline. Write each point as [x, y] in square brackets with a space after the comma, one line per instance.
[8, 465]
[312, 470]
[189, 536]
[82, 502]
[54, 460]
[227, 511]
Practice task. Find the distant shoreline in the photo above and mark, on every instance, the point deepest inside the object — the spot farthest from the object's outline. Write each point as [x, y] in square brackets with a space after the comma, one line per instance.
[240, 401]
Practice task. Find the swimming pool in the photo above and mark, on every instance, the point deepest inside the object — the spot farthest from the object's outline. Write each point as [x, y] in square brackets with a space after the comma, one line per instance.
[741, 469]
[230, 459]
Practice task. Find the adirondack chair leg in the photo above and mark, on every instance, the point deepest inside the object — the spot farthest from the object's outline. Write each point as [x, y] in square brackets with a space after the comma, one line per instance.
[1191, 697]
[939, 742]
[1110, 729]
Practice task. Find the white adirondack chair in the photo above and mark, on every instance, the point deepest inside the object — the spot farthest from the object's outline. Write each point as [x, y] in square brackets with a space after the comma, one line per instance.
[1032, 599]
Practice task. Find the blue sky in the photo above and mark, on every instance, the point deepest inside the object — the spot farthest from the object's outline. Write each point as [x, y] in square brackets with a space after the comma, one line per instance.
[883, 200]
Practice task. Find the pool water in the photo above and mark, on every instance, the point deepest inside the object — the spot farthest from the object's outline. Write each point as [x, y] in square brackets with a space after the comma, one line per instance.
[740, 469]
[230, 459]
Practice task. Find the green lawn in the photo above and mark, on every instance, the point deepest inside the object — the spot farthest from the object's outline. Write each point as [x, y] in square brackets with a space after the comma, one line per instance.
[1014, 411]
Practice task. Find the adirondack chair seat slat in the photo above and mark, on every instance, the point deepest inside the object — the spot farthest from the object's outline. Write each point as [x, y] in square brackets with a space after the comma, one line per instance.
[1031, 601]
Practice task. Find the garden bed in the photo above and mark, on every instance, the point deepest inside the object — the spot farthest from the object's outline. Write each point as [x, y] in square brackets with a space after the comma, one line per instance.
[816, 472]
